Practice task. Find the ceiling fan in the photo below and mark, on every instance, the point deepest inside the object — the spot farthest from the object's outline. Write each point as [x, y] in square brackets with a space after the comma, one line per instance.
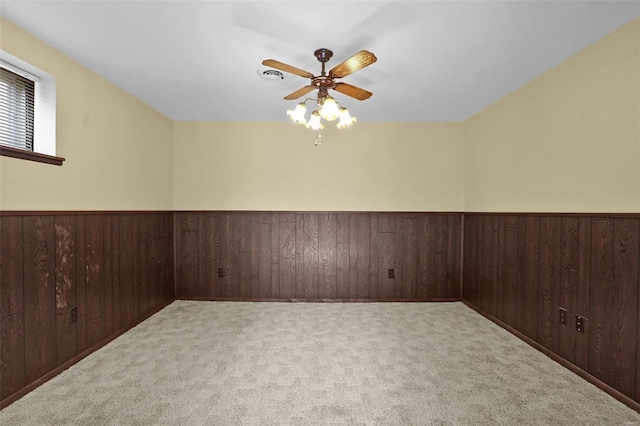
[327, 107]
[358, 61]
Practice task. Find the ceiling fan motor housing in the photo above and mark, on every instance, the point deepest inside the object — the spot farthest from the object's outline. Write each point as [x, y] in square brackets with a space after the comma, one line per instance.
[322, 82]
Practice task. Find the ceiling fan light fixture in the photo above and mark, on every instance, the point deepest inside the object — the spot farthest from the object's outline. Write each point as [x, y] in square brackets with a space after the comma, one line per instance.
[297, 114]
[326, 107]
[329, 110]
[345, 119]
[314, 122]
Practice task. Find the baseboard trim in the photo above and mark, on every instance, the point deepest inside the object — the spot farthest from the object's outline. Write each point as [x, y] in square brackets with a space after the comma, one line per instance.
[59, 369]
[294, 300]
[559, 214]
[557, 358]
[4, 213]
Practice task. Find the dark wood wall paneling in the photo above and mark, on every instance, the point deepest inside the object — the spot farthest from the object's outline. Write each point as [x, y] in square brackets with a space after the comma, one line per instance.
[317, 256]
[114, 268]
[521, 269]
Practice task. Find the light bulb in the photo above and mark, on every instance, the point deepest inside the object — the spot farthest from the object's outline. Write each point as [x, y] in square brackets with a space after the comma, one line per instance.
[314, 121]
[297, 115]
[329, 110]
[345, 119]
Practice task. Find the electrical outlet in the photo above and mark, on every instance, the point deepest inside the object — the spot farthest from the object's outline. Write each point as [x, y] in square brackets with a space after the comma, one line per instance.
[563, 316]
[220, 273]
[391, 273]
[73, 316]
[579, 324]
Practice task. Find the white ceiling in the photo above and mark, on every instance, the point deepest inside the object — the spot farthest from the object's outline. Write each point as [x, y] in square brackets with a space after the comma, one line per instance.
[437, 60]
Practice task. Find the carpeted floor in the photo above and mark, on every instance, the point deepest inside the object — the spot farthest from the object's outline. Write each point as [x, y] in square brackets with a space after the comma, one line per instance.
[197, 363]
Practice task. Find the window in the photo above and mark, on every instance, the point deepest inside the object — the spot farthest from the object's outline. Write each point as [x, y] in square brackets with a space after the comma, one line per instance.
[27, 111]
[17, 95]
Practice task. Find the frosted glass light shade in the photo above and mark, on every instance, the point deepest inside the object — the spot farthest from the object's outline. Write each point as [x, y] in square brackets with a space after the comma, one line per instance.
[314, 121]
[345, 119]
[329, 110]
[297, 114]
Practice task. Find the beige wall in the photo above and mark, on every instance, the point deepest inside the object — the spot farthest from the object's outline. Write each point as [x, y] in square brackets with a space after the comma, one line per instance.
[275, 166]
[567, 142]
[117, 149]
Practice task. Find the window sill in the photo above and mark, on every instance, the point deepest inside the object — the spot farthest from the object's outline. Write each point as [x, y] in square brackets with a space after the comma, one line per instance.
[30, 155]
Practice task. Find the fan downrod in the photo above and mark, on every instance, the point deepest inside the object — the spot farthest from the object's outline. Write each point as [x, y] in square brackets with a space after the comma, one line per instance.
[323, 56]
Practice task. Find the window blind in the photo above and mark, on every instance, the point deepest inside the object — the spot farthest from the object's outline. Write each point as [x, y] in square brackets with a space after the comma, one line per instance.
[16, 110]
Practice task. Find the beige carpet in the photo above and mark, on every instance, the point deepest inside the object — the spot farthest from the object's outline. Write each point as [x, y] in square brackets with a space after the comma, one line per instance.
[197, 363]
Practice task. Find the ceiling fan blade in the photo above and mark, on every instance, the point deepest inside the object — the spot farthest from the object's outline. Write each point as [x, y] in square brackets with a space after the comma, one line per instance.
[358, 61]
[287, 68]
[353, 91]
[300, 92]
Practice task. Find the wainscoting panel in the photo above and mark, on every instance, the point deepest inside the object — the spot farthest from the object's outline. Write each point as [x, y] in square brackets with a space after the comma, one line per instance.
[109, 270]
[522, 269]
[317, 256]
